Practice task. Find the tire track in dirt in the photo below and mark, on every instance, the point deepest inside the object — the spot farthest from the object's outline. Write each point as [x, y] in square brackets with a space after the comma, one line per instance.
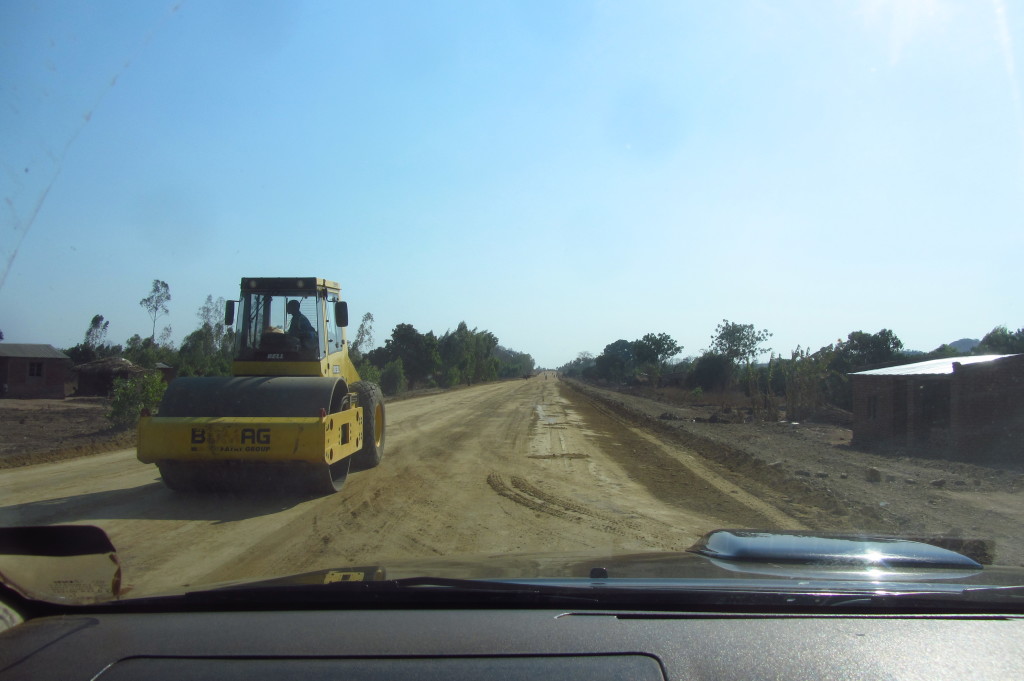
[523, 493]
[528, 495]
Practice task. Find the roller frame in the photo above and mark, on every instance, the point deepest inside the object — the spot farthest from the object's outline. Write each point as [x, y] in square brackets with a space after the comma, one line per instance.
[313, 440]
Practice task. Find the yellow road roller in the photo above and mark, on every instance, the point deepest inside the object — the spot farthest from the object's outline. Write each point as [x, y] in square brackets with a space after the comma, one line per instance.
[294, 415]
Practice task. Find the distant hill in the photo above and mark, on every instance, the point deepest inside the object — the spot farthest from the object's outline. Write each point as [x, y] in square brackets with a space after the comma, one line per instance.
[965, 344]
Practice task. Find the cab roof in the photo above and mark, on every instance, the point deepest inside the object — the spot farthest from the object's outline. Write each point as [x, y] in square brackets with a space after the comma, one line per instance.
[275, 284]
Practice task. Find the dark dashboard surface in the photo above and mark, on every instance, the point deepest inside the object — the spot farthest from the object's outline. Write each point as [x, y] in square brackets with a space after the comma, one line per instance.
[509, 644]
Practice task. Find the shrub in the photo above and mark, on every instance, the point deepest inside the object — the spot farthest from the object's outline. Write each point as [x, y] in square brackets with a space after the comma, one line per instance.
[368, 372]
[450, 377]
[711, 372]
[392, 379]
[132, 395]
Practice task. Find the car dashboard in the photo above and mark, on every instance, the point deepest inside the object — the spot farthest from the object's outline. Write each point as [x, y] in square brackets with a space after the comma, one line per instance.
[512, 644]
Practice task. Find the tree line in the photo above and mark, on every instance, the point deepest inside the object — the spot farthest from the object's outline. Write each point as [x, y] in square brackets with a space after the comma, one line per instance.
[411, 359]
[408, 359]
[807, 379]
[206, 351]
[647, 359]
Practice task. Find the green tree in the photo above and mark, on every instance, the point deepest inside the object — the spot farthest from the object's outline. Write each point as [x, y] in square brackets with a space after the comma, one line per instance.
[364, 336]
[147, 353]
[711, 371]
[465, 355]
[80, 354]
[653, 351]
[866, 349]
[454, 348]
[461, 356]
[211, 313]
[512, 364]
[655, 348]
[859, 350]
[944, 350]
[378, 357]
[738, 342]
[1001, 341]
[132, 395]
[616, 362]
[485, 365]
[392, 378]
[577, 368]
[417, 351]
[450, 377]
[96, 334]
[368, 372]
[208, 350]
[155, 303]
[806, 377]
[94, 345]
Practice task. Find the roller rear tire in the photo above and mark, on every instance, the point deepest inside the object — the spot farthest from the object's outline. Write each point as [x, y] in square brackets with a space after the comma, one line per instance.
[371, 399]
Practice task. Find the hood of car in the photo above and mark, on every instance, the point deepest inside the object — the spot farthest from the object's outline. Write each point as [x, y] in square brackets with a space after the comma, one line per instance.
[78, 564]
[741, 558]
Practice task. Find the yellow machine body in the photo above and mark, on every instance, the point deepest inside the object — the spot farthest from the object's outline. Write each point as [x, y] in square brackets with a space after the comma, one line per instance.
[294, 411]
[311, 440]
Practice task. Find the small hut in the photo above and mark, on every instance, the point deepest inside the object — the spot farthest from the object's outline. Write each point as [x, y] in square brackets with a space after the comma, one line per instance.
[97, 377]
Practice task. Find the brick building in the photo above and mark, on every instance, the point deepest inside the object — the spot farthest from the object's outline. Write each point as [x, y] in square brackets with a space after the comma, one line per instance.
[972, 405]
[31, 370]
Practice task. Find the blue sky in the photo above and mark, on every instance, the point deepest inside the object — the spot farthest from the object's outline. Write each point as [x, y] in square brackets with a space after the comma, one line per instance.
[562, 174]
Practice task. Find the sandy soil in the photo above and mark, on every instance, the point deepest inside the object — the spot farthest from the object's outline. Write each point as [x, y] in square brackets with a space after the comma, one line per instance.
[37, 431]
[829, 484]
[521, 466]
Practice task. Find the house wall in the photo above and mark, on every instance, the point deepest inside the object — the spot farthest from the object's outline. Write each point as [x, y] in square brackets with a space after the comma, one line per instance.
[928, 409]
[987, 406]
[901, 410]
[877, 414]
[21, 381]
[977, 411]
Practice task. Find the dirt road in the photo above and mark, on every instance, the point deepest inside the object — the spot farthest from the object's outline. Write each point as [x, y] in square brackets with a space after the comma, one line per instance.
[515, 467]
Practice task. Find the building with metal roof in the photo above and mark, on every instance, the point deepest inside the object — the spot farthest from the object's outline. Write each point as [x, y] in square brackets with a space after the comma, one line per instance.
[33, 370]
[970, 406]
[32, 350]
[931, 367]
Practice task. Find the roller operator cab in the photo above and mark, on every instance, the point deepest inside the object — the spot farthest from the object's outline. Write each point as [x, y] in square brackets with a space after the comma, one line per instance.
[293, 417]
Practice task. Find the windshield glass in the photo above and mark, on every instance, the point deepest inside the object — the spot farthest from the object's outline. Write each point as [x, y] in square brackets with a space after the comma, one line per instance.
[511, 289]
[278, 325]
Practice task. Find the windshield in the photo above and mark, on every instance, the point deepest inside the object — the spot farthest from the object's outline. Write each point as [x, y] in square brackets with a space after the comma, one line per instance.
[280, 324]
[511, 289]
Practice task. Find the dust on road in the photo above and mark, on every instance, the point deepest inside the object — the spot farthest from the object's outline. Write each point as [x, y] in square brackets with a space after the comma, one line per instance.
[515, 467]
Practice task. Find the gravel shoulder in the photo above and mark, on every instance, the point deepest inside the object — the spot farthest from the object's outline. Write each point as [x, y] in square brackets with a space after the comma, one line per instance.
[43, 431]
[823, 479]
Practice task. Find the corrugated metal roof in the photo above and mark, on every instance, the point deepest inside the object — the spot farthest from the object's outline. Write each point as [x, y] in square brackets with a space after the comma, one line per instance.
[933, 367]
[31, 350]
